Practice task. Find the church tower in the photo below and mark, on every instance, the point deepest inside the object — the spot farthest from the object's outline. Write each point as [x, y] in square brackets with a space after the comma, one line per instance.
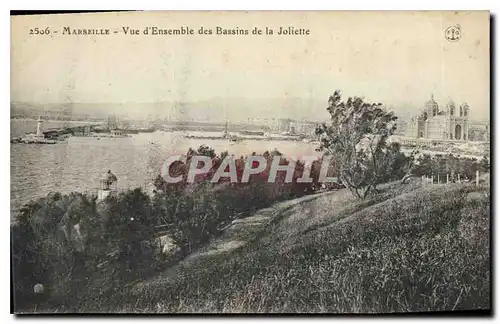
[450, 108]
[464, 110]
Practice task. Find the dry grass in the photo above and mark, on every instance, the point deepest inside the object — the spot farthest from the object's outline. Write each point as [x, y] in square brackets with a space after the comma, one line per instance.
[410, 248]
[423, 250]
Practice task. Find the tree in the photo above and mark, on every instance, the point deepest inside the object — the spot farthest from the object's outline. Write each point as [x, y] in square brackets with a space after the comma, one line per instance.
[485, 164]
[206, 151]
[130, 229]
[395, 165]
[357, 140]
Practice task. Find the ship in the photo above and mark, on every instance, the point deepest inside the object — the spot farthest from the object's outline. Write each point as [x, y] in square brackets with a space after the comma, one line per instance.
[225, 136]
[252, 133]
[231, 138]
[234, 139]
[139, 130]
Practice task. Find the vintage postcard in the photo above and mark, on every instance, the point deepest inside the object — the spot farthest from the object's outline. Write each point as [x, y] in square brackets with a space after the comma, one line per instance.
[250, 162]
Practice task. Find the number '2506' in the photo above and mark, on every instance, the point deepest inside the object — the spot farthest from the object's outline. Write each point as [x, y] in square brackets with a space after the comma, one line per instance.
[40, 31]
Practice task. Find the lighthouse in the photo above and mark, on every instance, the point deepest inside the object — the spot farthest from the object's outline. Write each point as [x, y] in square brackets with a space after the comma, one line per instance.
[39, 127]
[107, 186]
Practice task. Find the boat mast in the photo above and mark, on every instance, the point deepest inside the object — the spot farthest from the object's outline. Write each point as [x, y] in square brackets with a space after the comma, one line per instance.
[225, 130]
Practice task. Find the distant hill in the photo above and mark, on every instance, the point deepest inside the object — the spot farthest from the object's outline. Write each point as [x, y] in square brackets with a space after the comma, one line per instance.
[216, 109]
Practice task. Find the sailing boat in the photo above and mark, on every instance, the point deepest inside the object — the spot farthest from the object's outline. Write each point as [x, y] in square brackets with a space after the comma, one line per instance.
[234, 139]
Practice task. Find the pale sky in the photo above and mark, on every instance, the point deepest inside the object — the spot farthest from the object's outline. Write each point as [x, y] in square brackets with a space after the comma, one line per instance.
[389, 57]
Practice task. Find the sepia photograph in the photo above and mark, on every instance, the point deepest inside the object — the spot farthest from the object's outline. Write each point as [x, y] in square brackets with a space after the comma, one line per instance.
[250, 162]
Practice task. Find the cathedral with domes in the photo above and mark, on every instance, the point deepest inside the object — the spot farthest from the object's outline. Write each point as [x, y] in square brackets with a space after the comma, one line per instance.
[449, 124]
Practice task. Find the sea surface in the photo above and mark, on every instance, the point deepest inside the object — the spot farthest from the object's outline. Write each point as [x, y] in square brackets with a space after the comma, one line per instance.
[78, 163]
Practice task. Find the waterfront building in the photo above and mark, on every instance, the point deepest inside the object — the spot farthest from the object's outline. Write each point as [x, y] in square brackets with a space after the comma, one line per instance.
[284, 125]
[81, 131]
[305, 127]
[117, 132]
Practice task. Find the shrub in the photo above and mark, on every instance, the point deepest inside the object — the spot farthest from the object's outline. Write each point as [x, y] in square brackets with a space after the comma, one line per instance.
[450, 164]
[78, 248]
[195, 212]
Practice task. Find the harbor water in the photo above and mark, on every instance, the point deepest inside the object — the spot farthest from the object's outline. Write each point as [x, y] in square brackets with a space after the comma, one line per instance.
[77, 163]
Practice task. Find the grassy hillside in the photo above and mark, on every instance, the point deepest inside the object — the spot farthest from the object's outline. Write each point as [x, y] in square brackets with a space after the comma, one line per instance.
[409, 248]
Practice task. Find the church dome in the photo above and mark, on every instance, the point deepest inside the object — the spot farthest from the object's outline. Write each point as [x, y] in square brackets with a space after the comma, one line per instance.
[432, 107]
